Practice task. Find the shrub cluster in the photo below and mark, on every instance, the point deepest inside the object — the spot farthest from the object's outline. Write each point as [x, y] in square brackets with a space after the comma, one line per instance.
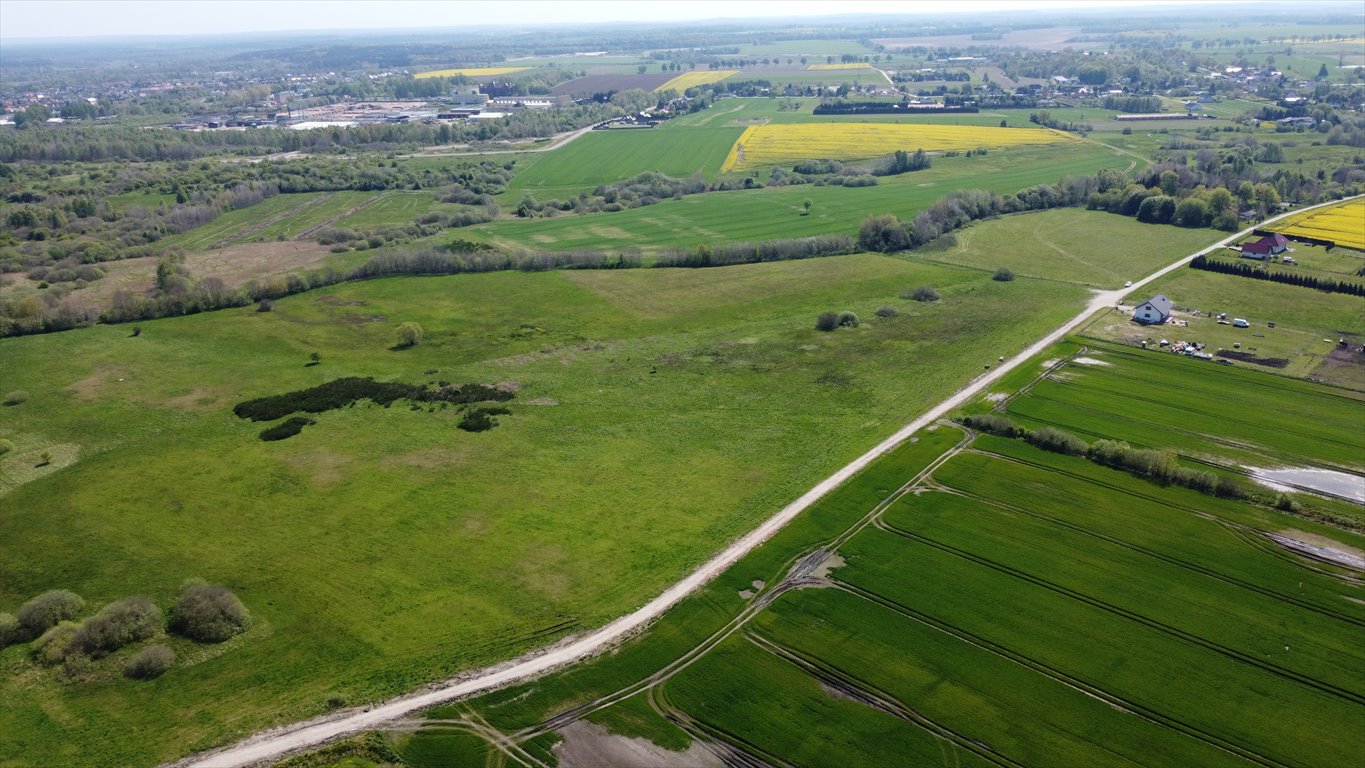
[116, 625]
[921, 293]
[995, 424]
[208, 613]
[150, 662]
[46, 610]
[790, 249]
[1003, 275]
[1057, 441]
[1160, 465]
[340, 393]
[204, 613]
[828, 321]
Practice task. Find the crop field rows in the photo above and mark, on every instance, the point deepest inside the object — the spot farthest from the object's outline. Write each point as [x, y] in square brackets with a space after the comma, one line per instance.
[1004, 607]
[1198, 408]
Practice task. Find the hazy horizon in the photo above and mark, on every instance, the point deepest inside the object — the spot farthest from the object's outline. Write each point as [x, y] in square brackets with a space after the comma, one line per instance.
[32, 20]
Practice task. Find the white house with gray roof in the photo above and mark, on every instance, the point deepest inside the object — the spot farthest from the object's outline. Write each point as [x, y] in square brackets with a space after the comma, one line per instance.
[1153, 311]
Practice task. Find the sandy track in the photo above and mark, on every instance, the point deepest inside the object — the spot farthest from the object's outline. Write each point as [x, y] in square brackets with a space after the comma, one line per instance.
[272, 745]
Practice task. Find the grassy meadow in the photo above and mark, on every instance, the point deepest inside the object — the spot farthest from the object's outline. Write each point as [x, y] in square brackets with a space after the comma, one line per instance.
[1069, 244]
[701, 400]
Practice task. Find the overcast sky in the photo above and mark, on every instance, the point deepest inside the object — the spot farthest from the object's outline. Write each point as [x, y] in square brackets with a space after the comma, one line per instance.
[20, 19]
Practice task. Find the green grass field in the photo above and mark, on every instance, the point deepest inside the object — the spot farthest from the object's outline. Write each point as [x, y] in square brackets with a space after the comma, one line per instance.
[774, 213]
[603, 157]
[703, 400]
[1070, 244]
[1200, 410]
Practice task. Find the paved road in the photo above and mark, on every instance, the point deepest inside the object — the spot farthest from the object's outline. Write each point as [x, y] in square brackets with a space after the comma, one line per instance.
[274, 744]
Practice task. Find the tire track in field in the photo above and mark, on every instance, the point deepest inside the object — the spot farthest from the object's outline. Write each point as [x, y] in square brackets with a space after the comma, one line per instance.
[1228, 652]
[261, 226]
[733, 751]
[308, 233]
[1241, 529]
[1152, 553]
[1345, 446]
[866, 694]
[1057, 675]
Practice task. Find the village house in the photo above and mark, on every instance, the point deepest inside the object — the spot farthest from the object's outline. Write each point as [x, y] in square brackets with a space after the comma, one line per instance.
[1153, 311]
[1270, 245]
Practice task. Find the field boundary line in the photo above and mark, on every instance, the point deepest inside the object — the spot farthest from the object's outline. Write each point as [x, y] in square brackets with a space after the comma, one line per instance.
[272, 745]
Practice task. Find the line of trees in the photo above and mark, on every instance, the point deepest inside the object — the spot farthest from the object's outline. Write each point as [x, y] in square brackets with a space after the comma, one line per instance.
[1242, 269]
[1157, 464]
[178, 294]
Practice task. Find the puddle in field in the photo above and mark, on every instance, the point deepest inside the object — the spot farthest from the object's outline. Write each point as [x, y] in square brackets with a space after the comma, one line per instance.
[1320, 548]
[1089, 361]
[1329, 481]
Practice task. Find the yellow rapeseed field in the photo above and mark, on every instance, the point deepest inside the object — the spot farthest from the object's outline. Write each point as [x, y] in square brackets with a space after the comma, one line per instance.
[775, 144]
[855, 65]
[693, 79]
[471, 72]
[1343, 224]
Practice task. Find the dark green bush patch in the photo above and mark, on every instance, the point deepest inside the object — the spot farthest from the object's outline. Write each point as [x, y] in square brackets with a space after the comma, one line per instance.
[481, 419]
[340, 393]
[286, 429]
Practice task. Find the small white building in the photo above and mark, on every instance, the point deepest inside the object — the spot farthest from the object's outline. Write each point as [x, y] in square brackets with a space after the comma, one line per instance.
[1153, 311]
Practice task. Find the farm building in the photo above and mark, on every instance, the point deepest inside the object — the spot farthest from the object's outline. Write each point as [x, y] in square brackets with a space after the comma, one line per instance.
[1153, 311]
[1270, 245]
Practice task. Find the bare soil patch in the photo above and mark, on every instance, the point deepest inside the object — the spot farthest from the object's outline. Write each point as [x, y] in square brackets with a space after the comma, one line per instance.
[1343, 367]
[1248, 357]
[588, 745]
[197, 399]
[93, 385]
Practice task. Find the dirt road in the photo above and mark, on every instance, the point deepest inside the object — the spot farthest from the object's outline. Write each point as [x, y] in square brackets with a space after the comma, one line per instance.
[556, 141]
[272, 745]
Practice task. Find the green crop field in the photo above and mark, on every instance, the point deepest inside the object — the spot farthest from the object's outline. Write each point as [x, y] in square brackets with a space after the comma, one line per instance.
[1020, 606]
[602, 157]
[703, 399]
[773, 213]
[1200, 410]
[1088, 247]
